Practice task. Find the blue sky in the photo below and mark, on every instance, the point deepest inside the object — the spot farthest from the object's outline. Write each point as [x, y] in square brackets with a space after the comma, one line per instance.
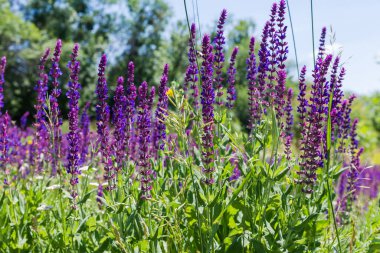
[355, 24]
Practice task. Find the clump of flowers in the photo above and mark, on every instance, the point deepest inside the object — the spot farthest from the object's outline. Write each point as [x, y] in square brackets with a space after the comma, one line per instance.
[73, 137]
[56, 121]
[207, 101]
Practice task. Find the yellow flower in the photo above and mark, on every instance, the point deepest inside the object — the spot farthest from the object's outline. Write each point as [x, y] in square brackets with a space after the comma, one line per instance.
[30, 141]
[170, 93]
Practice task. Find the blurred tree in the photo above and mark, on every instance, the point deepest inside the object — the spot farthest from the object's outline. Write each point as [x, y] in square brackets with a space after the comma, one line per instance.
[22, 43]
[142, 35]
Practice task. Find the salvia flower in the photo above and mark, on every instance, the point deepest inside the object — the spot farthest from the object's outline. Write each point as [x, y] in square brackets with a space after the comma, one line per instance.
[253, 92]
[4, 141]
[262, 68]
[73, 137]
[279, 96]
[231, 73]
[55, 73]
[130, 109]
[161, 111]
[282, 45]
[144, 128]
[191, 76]
[289, 123]
[312, 153]
[120, 101]
[207, 100]
[103, 116]
[41, 134]
[354, 168]
[272, 53]
[24, 120]
[219, 42]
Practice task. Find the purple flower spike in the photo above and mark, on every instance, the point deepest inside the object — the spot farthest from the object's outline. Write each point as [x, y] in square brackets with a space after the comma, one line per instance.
[55, 73]
[272, 53]
[161, 111]
[130, 109]
[279, 97]
[231, 73]
[41, 135]
[144, 128]
[312, 153]
[103, 116]
[4, 142]
[191, 76]
[73, 137]
[120, 123]
[207, 100]
[85, 127]
[282, 47]
[24, 120]
[263, 63]
[289, 123]
[322, 42]
[253, 91]
[219, 59]
[355, 169]
[3, 64]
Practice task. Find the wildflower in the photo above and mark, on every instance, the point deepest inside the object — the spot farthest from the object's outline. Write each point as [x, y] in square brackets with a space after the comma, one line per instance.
[130, 110]
[282, 45]
[312, 153]
[144, 127]
[253, 92]
[55, 73]
[231, 72]
[170, 93]
[73, 136]
[191, 76]
[207, 100]
[120, 101]
[24, 119]
[41, 134]
[272, 54]
[103, 115]
[289, 123]
[4, 141]
[219, 42]
[263, 64]
[161, 111]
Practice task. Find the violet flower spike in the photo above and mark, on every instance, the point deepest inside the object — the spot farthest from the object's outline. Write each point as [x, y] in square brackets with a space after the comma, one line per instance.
[41, 134]
[272, 54]
[103, 116]
[282, 45]
[120, 101]
[55, 73]
[144, 127]
[73, 137]
[130, 110]
[263, 64]
[219, 59]
[207, 100]
[161, 111]
[191, 76]
[289, 123]
[253, 91]
[231, 73]
[4, 141]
